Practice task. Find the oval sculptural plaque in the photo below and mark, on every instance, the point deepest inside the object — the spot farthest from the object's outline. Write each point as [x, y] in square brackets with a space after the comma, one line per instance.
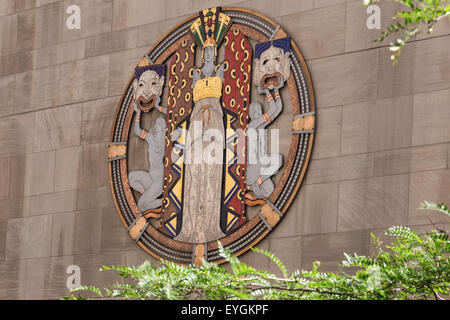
[212, 136]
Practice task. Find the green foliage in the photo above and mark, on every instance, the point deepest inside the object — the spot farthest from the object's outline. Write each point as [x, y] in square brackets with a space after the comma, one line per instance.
[417, 14]
[414, 266]
[437, 207]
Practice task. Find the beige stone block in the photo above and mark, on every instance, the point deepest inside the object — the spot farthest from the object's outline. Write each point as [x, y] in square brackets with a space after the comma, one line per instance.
[3, 232]
[97, 122]
[340, 168]
[29, 237]
[431, 69]
[138, 256]
[25, 61]
[410, 160]
[40, 3]
[84, 80]
[373, 203]
[148, 34]
[61, 53]
[377, 125]
[19, 62]
[293, 6]
[96, 18]
[13, 275]
[316, 35]
[7, 96]
[42, 173]
[88, 231]
[429, 186]
[95, 198]
[14, 173]
[8, 30]
[68, 169]
[328, 137]
[111, 42]
[14, 208]
[122, 68]
[7, 65]
[329, 248]
[355, 127]
[431, 118]
[268, 8]
[4, 173]
[7, 7]
[448, 157]
[289, 251]
[345, 79]
[176, 8]
[131, 13]
[357, 35]
[94, 166]
[58, 128]
[16, 135]
[63, 234]
[42, 27]
[390, 123]
[26, 30]
[37, 89]
[46, 278]
[198, 5]
[114, 234]
[22, 5]
[325, 3]
[53, 203]
[314, 210]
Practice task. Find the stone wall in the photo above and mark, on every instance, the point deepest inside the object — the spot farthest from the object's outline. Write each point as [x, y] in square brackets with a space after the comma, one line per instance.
[382, 141]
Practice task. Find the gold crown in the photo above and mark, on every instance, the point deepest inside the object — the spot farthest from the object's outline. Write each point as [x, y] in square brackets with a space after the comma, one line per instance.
[210, 87]
[210, 42]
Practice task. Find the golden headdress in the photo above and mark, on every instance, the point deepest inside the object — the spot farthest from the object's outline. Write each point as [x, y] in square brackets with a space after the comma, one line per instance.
[210, 28]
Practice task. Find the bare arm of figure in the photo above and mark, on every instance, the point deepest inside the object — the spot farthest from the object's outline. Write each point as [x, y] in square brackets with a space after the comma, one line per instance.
[256, 122]
[276, 105]
[219, 72]
[197, 77]
[160, 108]
[137, 124]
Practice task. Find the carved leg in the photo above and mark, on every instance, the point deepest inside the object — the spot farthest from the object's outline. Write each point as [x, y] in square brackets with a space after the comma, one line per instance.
[149, 200]
[140, 180]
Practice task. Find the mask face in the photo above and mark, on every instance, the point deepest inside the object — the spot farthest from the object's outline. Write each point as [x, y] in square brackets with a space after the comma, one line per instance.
[209, 54]
[147, 90]
[271, 66]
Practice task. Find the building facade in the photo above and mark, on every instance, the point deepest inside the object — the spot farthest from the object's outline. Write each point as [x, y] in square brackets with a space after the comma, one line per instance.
[381, 146]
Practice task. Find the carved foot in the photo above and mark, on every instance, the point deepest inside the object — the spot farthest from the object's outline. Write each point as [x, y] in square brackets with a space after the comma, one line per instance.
[252, 201]
[153, 213]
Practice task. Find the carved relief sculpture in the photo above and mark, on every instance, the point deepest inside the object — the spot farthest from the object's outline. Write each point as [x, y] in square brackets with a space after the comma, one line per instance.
[147, 87]
[271, 71]
[212, 176]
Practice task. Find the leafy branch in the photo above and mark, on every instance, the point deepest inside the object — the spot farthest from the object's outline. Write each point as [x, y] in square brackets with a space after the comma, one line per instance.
[414, 266]
[408, 23]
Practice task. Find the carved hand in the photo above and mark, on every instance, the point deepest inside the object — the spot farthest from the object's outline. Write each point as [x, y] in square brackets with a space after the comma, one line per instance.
[136, 109]
[280, 85]
[262, 91]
